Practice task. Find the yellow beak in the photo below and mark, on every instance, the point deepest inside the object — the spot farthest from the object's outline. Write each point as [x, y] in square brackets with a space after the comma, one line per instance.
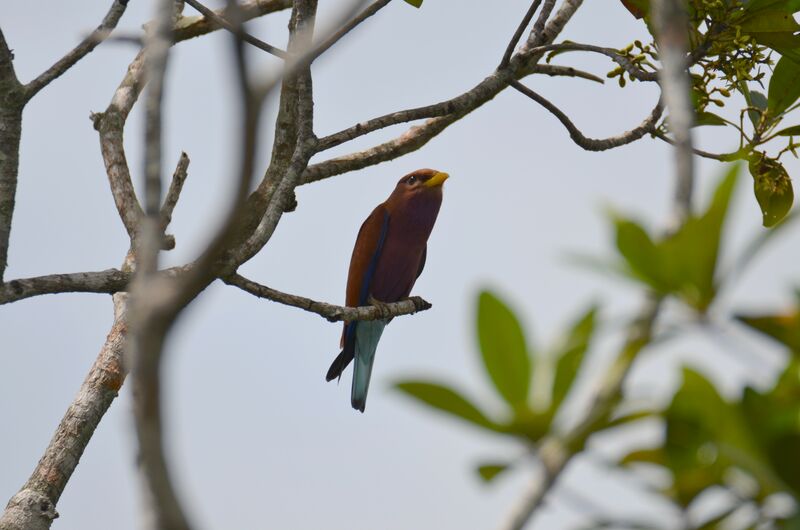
[437, 179]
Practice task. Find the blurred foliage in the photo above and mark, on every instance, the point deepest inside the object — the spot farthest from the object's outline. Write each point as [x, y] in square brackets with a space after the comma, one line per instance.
[733, 45]
[747, 447]
[511, 366]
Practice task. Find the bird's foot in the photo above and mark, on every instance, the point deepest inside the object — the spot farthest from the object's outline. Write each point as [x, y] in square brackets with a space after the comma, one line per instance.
[383, 306]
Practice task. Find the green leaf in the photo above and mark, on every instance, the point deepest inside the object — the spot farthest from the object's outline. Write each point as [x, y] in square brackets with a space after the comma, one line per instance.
[629, 418]
[705, 435]
[784, 42]
[759, 101]
[785, 328]
[415, 3]
[489, 471]
[690, 255]
[772, 187]
[784, 86]
[570, 355]
[769, 20]
[756, 5]
[653, 456]
[448, 400]
[640, 253]
[708, 118]
[789, 131]
[503, 349]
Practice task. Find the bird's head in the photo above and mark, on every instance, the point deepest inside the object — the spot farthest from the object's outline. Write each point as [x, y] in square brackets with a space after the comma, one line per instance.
[421, 183]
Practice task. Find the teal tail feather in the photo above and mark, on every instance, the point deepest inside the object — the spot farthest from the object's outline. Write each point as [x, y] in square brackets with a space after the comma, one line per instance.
[368, 334]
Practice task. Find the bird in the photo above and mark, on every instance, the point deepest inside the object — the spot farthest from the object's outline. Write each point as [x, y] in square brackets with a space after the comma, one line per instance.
[388, 257]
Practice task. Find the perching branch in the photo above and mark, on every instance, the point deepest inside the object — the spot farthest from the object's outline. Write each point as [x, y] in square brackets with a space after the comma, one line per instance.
[80, 51]
[330, 312]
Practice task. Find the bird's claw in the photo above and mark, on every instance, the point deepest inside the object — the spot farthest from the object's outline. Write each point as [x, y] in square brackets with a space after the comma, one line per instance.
[383, 306]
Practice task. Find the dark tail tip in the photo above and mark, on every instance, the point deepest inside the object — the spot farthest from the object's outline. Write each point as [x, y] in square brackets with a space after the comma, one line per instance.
[337, 366]
[359, 404]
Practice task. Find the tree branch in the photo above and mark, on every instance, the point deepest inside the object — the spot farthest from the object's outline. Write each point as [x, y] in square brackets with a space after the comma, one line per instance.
[323, 46]
[107, 281]
[174, 192]
[33, 507]
[330, 312]
[246, 37]
[191, 27]
[80, 51]
[591, 144]
[512, 44]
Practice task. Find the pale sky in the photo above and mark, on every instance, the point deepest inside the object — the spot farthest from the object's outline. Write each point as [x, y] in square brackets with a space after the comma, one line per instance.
[257, 438]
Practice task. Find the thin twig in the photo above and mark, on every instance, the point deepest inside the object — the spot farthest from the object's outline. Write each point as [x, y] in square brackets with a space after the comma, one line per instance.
[80, 51]
[722, 157]
[174, 192]
[323, 46]
[554, 70]
[236, 29]
[591, 144]
[330, 312]
[512, 45]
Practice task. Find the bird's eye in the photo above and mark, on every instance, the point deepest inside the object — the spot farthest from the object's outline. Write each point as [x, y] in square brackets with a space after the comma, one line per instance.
[412, 179]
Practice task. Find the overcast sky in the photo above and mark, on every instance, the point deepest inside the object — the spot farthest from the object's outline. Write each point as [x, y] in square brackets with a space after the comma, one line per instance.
[257, 438]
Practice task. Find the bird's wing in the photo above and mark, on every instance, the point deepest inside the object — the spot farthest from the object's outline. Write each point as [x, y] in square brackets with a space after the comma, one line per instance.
[422, 260]
[366, 252]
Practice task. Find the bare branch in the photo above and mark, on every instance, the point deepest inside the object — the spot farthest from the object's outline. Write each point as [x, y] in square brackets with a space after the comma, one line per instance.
[565, 71]
[107, 281]
[33, 507]
[80, 51]
[539, 25]
[591, 144]
[722, 157]
[174, 192]
[191, 27]
[246, 37]
[555, 25]
[512, 45]
[322, 47]
[111, 124]
[634, 71]
[11, 105]
[7, 74]
[330, 312]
